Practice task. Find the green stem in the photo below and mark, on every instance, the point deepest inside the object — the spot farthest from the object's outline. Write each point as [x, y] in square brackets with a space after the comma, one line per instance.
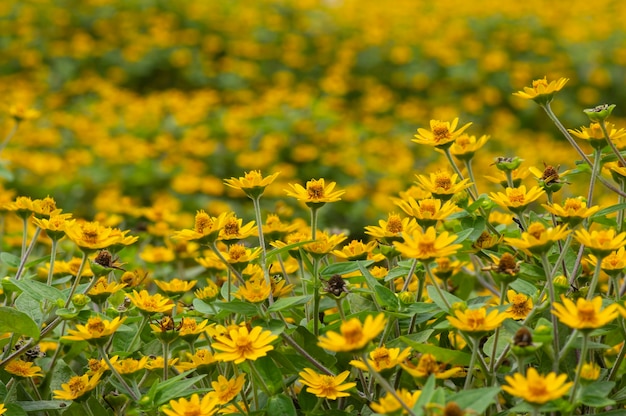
[385, 385]
[618, 361]
[259, 221]
[306, 355]
[117, 375]
[29, 250]
[231, 268]
[77, 279]
[620, 213]
[458, 172]
[550, 285]
[611, 144]
[472, 363]
[409, 275]
[503, 288]
[439, 291]
[595, 171]
[53, 255]
[258, 376]
[583, 358]
[87, 409]
[316, 298]
[595, 278]
[166, 358]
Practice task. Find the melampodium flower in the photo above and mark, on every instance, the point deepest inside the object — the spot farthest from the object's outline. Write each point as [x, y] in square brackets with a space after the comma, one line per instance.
[427, 211]
[389, 405]
[90, 236]
[536, 388]
[255, 290]
[103, 289]
[95, 331]
[356, 250]
[601, 242]
[149, 304]
[23, 369]
[383, 358]
[195, 406]
[234, 230]
[252, 183]
[55, 225]
[595, 135]
[427, 246]
[77, 387]
[324, 243]
[520, 304]
[3, 409]
[465, 146]
[517, 199]
[130, 365]
[240, 345]
[441, 134]
[584, 315]
[206, 228]
[541, 91]
[353, 335]
[224, 390]
[573, 211]
[176, 286]
[443, 184]
[428, 365]
[201, 358]
[392, 229]
[316, 193]
[613, 264]
[326, 386]
[476, 321]
[538, 239]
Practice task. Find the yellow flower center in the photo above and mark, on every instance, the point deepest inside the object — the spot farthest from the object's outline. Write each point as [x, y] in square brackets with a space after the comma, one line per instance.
[428, 364]
[95, 326]
[538, 389]
[517, 196]
[394, 224]
[586, 312]
[540, 82]
[327, 385]
[572, 205]
[94, 365]
[244, 345]
[352, 332]
[381, 356]
[475, 319]
[90, 233]
[76, 385]
[193, 410]
[536, 230]
[443, 181]
[189, 325]
[428, 207]
[463, 141]
[254, 176]
[236, 252]
[441, 132]
[203, 221]
[519, 305]
[231, 227]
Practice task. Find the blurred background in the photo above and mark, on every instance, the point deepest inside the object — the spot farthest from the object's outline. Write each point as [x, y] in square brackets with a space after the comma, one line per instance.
[149, 103]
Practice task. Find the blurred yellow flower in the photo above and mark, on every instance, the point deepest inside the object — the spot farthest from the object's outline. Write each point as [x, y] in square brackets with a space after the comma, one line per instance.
[353, 335]
[535, 388]
[388, 404]
[326, 386]
[195, 406]
[443, 184]
[383, 358]
[77, 387]
[201, 358]
[175, 286]
[252, 183]
[428, 365]
[23, 369]
[90, 236]
[476, 320]
[584, 315]
[441, 134]
[542, 91]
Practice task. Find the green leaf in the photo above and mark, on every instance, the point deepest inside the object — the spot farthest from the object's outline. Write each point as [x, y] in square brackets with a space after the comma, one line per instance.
[14, 409]
[435, 295]
[281, 405]
[425, 396]
[31, 307]
[9, 259]
[270, 373]
[386, 298]
[443, 355]
[239, 307]
[173, 388]
[37, 290]
[203, 307]
[344, 267]
[37, 406]
[270, 256]
[12, 320]
[476, 399]
[608, 210]
[596, 394]
[463, 235]
[284, 303]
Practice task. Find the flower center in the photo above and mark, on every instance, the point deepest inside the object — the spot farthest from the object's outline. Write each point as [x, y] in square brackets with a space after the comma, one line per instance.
[540, 82]
[517, 196]
[352, 332]
[536, 230]
[586, 312]
[232, 227]
[90, 234]
[443, 182]
[475, 319]
[203, 222]
[427, 208]
[572, 205]
[76, 385]
[538, 389]
[236, 252]
[95, 325]
[193, 410]
[394, 224]
[327, 385]
[315, 191]
[441, 132]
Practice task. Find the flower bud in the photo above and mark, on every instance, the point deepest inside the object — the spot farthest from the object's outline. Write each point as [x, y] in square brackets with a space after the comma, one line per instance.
[599, 113]
[508, 164]
[79, 300]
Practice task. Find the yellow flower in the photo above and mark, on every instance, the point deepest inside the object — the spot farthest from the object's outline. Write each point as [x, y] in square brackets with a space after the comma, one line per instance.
[3, 409]
[356, 250]
[573, 211]
[157, 254]
[324, 243]
[536, 388]
[255, 290]
[427, 211]
[316, 193]
[130, 365]
[20, 112]
[590, 371]
[476, 320]
[55, 225]
[149, 304]
[225, 390]
[595, 135]
[206, 228]
[441, 134]
[252, 183]
[89, 236]
[99, 366]
[209, 292]
[353, 335]
[77, 387]
[234, 230]
[190, 327]
[427, 246]
[542, 91]
[383, 358]
[585, 314]
[392, 229]
[613, 264]
[465, 146]
[23, 369]
[326, 386]
[240, 345]
[428, 365]
[517, 199]
[521, 304]
[388, 404]
[96, 330]
[157, 363]
[538, 239]
[517, 175]
[175, 286]
[201, 358]
[195, 406]
[103, 289]
[443, 184]
[601, 242]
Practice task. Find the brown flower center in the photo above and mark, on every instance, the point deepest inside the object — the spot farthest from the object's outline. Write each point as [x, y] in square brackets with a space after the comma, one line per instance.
[352, 332]
[441, 132]
[443, 182]
[517, 196]
[315, 191]
[572, 205]
[203, 222]
[536, 230]
[587, 313]
[236, 252]
[394, 224]
[95, 325]
[76, 385]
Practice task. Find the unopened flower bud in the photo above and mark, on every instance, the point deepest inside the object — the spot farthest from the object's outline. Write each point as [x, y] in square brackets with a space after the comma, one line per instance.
[508, 163]
[599, 113]
[79, 300]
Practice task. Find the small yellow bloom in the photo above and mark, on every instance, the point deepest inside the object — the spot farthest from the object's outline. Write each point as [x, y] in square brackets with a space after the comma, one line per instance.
[573, 211]
[383, 358]
[96, 330]
[601, 242]
[538, 239]
[3, 409]
[150, 304]
[356, 250]
[90, 236]
[206, 228]
[157, 363]
[201, 358]
[428, 365]
[55, 225]
[613, 264]
[477, 320]
[392, 229]
[252, 183]
[157, 254]
[209, 292]
[20, 112]
[316, 193]
[195, 406]
[427, 212]
[443, 184]
[226, 390]
[77, 387]
[326, 386]
[521, 304]
[255, 290]
[595, 135]
[353, 335]
[388, 404]
[23, 369]
[536, 388]
[590, 371]
[427, 246]
[516, 199]
[585, 314]
[240, 344]
[103, 289]
[130, 365]
[324, 243]
[441, 134]
[176, 286]
[234, 230]
[542, 91]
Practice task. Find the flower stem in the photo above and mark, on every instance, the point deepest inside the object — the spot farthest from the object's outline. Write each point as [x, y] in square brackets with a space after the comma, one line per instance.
[385, 385]
[472, 363]
[76, 280]
[550, 285]
[26, 251]
[117, 375]
[595, 278]
[439, 291]
[583, 355]
[610, 142]
[259, 221]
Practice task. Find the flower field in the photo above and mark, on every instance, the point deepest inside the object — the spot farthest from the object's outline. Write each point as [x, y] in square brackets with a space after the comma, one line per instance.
[312, 208]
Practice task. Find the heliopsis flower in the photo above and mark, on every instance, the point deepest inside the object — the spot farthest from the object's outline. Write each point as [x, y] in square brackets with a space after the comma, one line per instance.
[353, 335]
[584, 315]
[446, 268]
[157, 254]
[189, 328]
[476, 321]
[130, 365]
[520, 304]
[252, 183]
[234, 230]
[209, 292]
[536, 388]
[427, 211]
[595, 135]
[428, 365]
[20, 112]
[388, 404]
[427, 246]
[149, 304]
[465, 146]
[326, 386]
[392, 229]
[356, 250]
[601, 242]
[102, 289]
[201, 358]
[90, 236]
[240, 344]
[486, 241]
[195, 406]
[573, 211]
[517, 199]
[23, 369]
[99, 366]
[206, 228]
[316, 193]
[255, 290]
[274, 228]
[613, 264]
[590, 371]
[55, 225]
[95, 331]
[157, 363]
[225, 390]
[441, 134]
[77, 387]
[542, 91]
[175, 286]
[538, 239]
[443, 184]
[324, 243]
[383, 358]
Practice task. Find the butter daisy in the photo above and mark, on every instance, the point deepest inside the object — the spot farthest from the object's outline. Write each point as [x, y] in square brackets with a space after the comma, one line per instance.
[442, 184]
[96, 330]
[601, 242]
[150, 304]
[538, 239]
[326, 386]
[77, 387]
[353, 335]
[573, 210]
[427, 212]
[517, 199]
[441, 134]
[23, 369]
[383, 358]
[427, 246]
[476, 321]
[316, 193]
[535, 388]
[239, 344]
[584, 315]
[225, 390]
[541, 90]
[195, 406]
[389, 404]
[253, 183]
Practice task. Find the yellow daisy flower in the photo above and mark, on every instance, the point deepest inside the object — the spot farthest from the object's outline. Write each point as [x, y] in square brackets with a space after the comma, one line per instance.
[383, 358]
[149, 304]
[23, 369]
[542, 91]
[130, 365]
[427, 246]
[595, 135]
[355, 250]
[255, 290]
[209, 292]
[428, 365]
[102, 289]
[55, 225]
[324, 243]
[195, 406]
[316, 193]
[234, 230]
[206, 228]
[584, 315]
[90, 236]
[573, 211]
[465, 146]
[95, 331]
[601, 242]
[538, 239]
[392, 229]
[516, 199]
[388, 404]
[520, 304]
[77, 387]
[441, 134]
[225, 390]
[443, 184]
[326, 386]
[239, 344]
[476, 320]
[427, 212]
[613, 264]
[201, 358]
[175, 286]
[353, 335]
[252, 183]
[536, 388]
